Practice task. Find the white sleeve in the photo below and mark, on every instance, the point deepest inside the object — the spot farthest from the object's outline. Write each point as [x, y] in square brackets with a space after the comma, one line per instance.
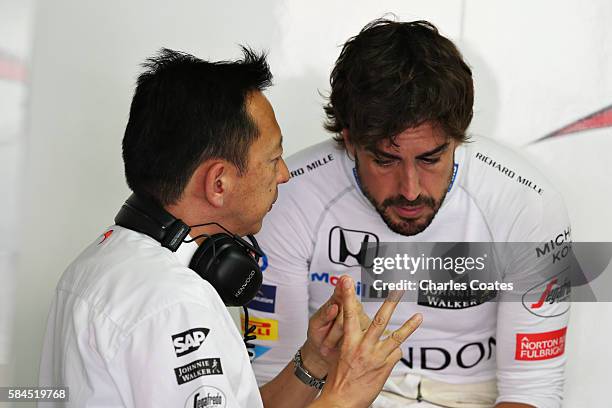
[180, 355]
[532, 321]
[282, 304]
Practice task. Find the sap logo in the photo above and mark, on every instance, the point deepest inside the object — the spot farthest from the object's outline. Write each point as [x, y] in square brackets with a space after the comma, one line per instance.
[360, 248]
[189, 341]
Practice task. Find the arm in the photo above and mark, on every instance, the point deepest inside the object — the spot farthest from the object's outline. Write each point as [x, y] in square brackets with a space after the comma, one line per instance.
[535, 315]
[181, 353]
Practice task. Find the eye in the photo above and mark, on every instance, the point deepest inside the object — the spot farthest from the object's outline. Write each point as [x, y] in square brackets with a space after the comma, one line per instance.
[384, 162]
[430, 160]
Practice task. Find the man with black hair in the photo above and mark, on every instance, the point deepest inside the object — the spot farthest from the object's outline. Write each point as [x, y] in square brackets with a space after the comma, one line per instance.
[401, 170]
[133, 325]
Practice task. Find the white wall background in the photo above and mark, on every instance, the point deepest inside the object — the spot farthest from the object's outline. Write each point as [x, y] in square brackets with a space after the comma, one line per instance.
[538, 66]
[15, 45]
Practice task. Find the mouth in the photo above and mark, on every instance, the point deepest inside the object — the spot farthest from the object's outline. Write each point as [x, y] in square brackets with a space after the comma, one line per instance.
[409, 211]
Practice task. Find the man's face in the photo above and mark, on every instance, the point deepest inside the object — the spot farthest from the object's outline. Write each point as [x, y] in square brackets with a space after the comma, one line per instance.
[257, 189]
[406, 181]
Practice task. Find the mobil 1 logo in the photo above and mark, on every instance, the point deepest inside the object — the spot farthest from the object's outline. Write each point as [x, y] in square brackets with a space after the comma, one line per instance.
[189, 341]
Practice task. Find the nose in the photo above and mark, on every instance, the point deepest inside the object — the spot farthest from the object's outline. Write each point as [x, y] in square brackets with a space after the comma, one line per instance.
[409, 184]
[283, 172]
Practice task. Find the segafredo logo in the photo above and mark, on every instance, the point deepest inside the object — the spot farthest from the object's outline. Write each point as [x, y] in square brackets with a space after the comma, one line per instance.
[189, 340]
[206, 397]
[549, 298]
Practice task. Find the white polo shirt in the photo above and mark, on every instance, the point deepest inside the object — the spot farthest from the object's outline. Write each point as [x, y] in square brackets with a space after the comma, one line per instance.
[132, 326]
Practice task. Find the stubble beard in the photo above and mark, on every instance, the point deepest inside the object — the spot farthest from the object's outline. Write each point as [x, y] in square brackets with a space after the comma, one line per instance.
[406, 226]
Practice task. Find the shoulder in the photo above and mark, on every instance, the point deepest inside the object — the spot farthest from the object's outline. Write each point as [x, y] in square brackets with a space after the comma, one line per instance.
[319, 174]
[320, 166]
[507, 189]
[127, 277]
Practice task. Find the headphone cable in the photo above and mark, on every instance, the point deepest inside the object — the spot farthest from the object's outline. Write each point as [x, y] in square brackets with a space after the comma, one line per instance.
[249, 333]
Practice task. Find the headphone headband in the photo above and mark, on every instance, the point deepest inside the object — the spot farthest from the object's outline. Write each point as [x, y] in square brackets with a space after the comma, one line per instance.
[147, 217]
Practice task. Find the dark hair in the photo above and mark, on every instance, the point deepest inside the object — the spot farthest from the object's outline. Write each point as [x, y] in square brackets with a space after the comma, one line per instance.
[185, 111]
[397, 75]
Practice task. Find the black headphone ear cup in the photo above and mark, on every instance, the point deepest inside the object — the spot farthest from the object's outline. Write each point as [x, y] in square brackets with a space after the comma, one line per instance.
[229, 268]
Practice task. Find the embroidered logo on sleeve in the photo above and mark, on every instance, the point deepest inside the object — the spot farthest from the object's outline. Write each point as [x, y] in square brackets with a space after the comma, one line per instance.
[206, 397]
[197, 369]
[189, 340]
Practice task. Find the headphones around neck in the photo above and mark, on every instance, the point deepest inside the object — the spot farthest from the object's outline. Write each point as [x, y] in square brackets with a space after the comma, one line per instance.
[229, 263]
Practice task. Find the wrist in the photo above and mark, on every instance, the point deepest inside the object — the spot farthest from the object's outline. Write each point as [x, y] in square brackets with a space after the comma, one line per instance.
[312, 361]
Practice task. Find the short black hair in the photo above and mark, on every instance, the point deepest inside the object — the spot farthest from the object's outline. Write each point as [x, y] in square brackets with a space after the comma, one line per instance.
[396, 75]
[184, 111]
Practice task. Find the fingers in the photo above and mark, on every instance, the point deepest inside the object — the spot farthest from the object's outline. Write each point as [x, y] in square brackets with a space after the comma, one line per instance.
[350, 313]
[325, 314]
[382, 317]
[333, 336]
[364, 319]
[397, 337]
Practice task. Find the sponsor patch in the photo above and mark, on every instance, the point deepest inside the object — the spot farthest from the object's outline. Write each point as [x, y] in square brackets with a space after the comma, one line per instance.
[206, 397]
[549, 298]
[189, 341]
[265, 329]
[349, 247]
[454, 299]
[259, 351]
[197, 369]
[540, 346]
[264, 300]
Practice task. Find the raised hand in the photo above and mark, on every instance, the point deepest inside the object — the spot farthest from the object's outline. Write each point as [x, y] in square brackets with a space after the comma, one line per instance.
[364, 360]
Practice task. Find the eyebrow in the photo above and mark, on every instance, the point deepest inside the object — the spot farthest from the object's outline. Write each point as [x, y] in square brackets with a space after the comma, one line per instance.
[437, 150]
[380, 153]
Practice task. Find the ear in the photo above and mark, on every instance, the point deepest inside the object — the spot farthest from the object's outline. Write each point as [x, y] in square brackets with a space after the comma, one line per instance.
[214, 181]
[350, 148]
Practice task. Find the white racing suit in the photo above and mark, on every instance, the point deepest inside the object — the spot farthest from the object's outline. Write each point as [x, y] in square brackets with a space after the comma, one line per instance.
[493, 350]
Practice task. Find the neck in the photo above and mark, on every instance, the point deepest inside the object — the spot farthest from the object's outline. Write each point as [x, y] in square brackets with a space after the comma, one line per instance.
[189, 214]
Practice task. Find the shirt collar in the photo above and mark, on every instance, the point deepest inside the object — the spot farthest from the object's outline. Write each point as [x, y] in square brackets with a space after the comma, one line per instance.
[185, 252]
